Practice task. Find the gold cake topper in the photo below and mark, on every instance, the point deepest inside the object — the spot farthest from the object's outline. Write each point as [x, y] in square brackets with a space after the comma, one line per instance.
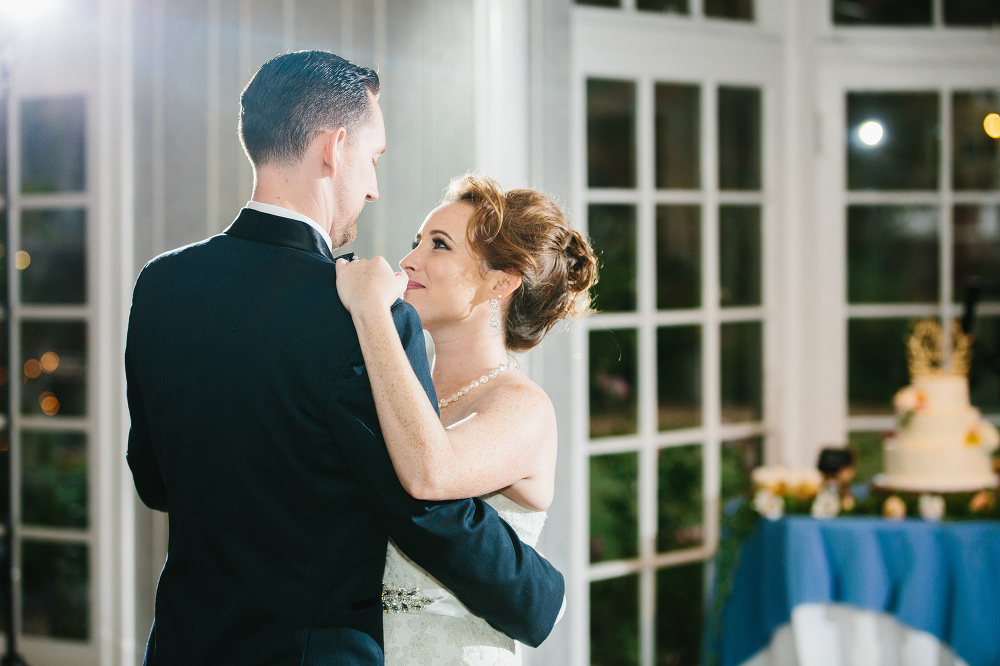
[925, 350]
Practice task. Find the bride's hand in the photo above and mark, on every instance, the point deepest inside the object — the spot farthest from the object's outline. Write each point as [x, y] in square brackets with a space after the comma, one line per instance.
[368, 283]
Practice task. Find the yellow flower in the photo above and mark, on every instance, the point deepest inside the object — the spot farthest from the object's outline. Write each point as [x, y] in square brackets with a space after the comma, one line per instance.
[894, 508]
[972, 439]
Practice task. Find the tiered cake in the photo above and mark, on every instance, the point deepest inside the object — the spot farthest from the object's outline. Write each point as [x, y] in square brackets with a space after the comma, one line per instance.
[941, 443]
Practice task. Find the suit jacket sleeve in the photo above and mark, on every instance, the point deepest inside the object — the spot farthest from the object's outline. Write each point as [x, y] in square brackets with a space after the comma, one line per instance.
[464, 544]
[141, 459]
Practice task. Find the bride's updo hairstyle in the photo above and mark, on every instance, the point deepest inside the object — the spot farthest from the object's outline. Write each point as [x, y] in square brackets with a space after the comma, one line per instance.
[525, 232]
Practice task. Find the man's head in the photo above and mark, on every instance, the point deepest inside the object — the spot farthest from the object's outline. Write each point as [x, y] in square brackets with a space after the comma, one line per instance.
[315, 114]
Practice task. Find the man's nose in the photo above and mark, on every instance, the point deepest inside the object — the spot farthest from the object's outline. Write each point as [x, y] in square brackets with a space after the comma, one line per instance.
[373, 191]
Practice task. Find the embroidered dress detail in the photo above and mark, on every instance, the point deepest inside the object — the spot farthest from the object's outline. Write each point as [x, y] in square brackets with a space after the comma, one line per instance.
[403, 600]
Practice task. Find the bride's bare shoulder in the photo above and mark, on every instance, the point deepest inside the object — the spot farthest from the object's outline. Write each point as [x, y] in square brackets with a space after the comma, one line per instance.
[520, 394]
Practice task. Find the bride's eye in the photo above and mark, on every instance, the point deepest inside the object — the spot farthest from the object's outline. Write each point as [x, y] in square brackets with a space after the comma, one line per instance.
[438, 243]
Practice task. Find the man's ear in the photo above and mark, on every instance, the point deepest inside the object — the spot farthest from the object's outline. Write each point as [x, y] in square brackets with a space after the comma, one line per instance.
[335, 150]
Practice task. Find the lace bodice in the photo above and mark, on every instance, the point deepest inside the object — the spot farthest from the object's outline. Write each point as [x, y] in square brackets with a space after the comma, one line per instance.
[444, 631]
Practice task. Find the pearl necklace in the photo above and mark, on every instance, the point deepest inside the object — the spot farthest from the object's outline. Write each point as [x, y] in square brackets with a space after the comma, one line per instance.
[444, 402]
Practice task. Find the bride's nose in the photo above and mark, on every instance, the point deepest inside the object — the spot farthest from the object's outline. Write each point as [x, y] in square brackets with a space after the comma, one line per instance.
[407, 263]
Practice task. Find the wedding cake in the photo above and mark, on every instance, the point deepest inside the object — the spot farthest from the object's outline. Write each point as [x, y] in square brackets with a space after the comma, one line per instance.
[941, 443]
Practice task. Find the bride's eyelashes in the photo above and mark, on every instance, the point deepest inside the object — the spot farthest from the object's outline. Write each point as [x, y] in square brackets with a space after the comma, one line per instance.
[439, 244]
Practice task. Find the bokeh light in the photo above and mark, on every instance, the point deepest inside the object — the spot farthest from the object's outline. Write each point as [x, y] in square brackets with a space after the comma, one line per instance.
[22, 260]
[49, 362]
[870, 132]
[49, 403]
[32, 368]
[24, 12]
[992, 125]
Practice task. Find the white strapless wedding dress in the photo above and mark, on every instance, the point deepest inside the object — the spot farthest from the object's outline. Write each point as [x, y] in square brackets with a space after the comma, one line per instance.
[437, 630]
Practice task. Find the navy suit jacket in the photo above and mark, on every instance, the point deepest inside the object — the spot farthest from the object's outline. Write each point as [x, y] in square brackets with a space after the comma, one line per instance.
[254, 428]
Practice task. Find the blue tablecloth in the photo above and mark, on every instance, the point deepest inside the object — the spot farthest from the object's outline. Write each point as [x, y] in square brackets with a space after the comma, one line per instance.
[943, 578]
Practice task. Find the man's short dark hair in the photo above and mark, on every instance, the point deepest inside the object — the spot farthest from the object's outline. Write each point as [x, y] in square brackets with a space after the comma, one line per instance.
[295, 96]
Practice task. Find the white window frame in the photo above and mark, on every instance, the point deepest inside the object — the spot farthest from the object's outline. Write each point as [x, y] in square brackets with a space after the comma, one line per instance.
[648, 48]
[885, 60]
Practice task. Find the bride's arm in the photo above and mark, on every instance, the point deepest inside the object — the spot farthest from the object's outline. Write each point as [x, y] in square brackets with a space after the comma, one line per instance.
[495, 448]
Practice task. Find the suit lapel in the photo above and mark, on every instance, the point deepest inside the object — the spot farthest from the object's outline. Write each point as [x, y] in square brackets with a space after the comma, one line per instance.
[261, 227]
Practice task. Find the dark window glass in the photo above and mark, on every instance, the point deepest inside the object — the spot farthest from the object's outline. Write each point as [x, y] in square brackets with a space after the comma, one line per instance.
[977, 248]
[600, 3]
[892, 141]
[984, 373]
[612, 232]
[679, 498]
[614, 507]
[610, 133]
[733, 9]
[892, 254]
[613, 372]
[678, 134]
[678, 370]
[876, 364]
[54, 479]
[739, 255]
[739, 138]
[678, 256]
[614, 621]
[742, 377]
[971, 12]
[668, 6]
[53, 256]
[53, 145]
[680, 605]
[975, 161]
[739, 458]
[882, 12]
[3, 152]
[54, 354]
[867, 447]
[56, 598]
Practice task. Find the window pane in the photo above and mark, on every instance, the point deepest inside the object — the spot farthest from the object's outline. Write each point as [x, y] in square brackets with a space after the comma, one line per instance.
[680, 606]
[56, 596]
[668, 6]
[882, 12]
[53, 145]
[734, 9]
[739, 138]
[977, 247]
[614, 508]
[975, 162]
[971, 12]
[892, 254]
[739, 458]
[55, 368]
[678, 132]
[614, 621]
[867, 447]
[892, 141]
[984, 373]
[610, 133]
[600, 3]
[679, 498]
[678, 257]
[53, 244]
[742, 353]
[678, 376]
[612, 232]
[613, 372]
[739, 255]
[54, 479]
[876, 364]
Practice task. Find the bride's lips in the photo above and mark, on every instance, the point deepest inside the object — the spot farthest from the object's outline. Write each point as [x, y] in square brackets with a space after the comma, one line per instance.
[413, 285]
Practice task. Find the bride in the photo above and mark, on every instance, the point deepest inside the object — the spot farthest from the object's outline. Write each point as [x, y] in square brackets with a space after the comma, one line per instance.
[491, 272]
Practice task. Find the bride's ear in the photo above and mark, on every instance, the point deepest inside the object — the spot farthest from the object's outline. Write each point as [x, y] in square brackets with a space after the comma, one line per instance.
[507, 284]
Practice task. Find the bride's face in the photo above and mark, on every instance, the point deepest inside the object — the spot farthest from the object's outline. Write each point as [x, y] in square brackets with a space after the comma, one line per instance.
[446, 283]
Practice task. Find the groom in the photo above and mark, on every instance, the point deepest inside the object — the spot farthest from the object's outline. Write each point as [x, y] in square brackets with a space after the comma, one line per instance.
[253, 423]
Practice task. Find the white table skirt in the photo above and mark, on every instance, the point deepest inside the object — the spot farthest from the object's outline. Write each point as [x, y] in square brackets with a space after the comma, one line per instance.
[842, 635]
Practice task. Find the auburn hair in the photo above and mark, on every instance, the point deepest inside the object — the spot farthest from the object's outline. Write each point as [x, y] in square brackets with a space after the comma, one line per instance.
[525, 232]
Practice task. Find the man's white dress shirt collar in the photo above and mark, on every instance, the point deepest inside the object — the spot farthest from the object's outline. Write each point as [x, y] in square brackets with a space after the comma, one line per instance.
[271, 209]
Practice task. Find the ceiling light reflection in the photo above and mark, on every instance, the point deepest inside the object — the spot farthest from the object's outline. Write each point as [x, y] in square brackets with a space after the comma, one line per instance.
[870, 132]
[992, 125]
